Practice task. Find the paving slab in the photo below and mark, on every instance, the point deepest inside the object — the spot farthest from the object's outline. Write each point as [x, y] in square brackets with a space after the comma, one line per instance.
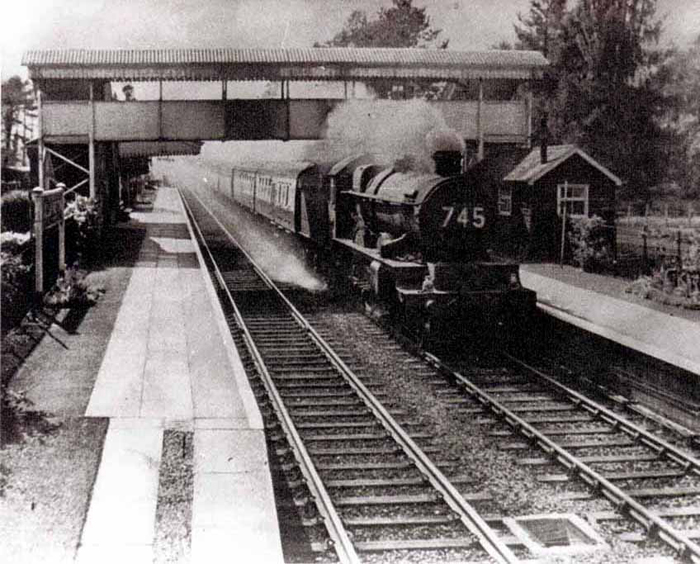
[122, 510]
[229, 451]
[171, 363]
[166, 386]
[243, 535]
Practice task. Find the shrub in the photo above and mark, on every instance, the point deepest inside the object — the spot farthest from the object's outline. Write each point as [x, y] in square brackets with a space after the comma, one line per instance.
[16, 210]
[12, 243]
[76, 288]
[673, 283]
[591, 245]
[16, 290]
[82, 228]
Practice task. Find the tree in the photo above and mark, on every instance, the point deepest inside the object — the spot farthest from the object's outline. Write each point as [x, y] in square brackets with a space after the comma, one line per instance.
[603, 89]
[682, 121]
[541, 27]
[16, 100]
[400, 26]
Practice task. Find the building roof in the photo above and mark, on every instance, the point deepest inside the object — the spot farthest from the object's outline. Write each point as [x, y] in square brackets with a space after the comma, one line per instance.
[531, 169]
[281, 64]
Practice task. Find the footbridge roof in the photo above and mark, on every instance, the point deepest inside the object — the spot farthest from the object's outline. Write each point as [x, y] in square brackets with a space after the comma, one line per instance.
[282, 64]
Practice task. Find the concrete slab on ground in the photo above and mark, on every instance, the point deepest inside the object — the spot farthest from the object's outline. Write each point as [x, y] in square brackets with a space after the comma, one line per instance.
[121, 516]
[171, 361]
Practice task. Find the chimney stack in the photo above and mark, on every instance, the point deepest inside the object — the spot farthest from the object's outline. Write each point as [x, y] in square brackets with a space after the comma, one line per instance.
[543, 139]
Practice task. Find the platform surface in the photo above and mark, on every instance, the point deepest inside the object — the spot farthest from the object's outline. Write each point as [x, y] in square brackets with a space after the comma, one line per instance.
[571, 295]
[171, 363]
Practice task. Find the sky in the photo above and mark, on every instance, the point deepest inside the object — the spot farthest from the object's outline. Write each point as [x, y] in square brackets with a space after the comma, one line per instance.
[152, 24]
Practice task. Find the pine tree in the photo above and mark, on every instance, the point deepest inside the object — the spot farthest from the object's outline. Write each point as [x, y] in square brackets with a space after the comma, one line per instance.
[602, 90]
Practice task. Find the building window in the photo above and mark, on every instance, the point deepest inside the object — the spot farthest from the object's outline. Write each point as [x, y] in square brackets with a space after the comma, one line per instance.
[505, 200]
[574, 197]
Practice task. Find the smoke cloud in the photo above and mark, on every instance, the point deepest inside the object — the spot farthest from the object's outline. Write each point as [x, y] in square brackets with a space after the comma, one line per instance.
[391, 131]
[275, 254]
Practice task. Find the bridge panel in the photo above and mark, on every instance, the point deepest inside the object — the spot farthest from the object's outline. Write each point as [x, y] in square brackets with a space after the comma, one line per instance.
[120, 121]
[504, 120]
[307, 118]
[194, 120]
[256, 119]
[65, 119]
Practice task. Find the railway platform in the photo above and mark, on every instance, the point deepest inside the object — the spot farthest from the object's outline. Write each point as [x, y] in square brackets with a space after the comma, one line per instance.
[169, 364]
[599, 304]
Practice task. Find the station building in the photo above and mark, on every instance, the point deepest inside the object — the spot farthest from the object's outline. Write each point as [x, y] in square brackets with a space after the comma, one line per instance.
[542, 186]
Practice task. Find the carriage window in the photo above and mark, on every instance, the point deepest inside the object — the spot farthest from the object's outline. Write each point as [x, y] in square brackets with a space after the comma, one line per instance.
[574, 197]
[505, 200]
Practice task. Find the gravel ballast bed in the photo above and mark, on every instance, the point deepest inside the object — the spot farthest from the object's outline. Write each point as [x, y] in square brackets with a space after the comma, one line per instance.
[514, 488]
[172, 542]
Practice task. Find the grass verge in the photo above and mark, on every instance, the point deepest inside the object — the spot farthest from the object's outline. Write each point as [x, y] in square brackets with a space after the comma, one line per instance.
[48, 471]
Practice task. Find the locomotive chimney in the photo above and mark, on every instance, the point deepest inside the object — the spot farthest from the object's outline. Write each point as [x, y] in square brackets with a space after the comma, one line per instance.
[446, 148]
[448, 163]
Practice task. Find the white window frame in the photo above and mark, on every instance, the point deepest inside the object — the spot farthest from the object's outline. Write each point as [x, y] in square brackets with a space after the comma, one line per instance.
[505, 195]
[563, 197]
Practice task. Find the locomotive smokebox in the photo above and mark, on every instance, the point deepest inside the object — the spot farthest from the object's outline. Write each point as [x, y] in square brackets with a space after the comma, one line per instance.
[448, 163]
[446, 148]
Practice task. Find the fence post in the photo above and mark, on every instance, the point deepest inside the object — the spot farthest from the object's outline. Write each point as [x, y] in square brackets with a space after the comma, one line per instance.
[563, 232]
[690, 214]
[62, 230]
[37, 197]
[678, 248]
[644, 249]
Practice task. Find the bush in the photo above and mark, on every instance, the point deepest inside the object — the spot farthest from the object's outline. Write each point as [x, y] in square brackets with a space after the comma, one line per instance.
[591, 245]
[76, 288]
[82, 229]
[13, 243]
[673, 282]
[16, 290]
[16, 210]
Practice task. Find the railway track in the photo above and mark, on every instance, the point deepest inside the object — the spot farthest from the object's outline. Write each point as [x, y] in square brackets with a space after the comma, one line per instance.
[376, 494]
[648, 480]
[369, 472]
[609, 369]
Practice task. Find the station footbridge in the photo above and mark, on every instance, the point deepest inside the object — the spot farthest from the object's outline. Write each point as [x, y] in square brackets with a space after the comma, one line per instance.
[97, 141]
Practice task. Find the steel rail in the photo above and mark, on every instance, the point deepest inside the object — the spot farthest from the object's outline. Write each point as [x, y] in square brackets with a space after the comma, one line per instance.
[340, 539]
[488, 539]
[654, 525]
[663, 448]
[496, 548]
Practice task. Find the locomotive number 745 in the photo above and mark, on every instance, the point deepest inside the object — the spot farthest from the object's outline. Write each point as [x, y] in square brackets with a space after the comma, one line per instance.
[476, 219]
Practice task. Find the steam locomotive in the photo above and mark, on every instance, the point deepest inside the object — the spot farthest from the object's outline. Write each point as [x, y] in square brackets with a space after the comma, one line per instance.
[414, 244]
